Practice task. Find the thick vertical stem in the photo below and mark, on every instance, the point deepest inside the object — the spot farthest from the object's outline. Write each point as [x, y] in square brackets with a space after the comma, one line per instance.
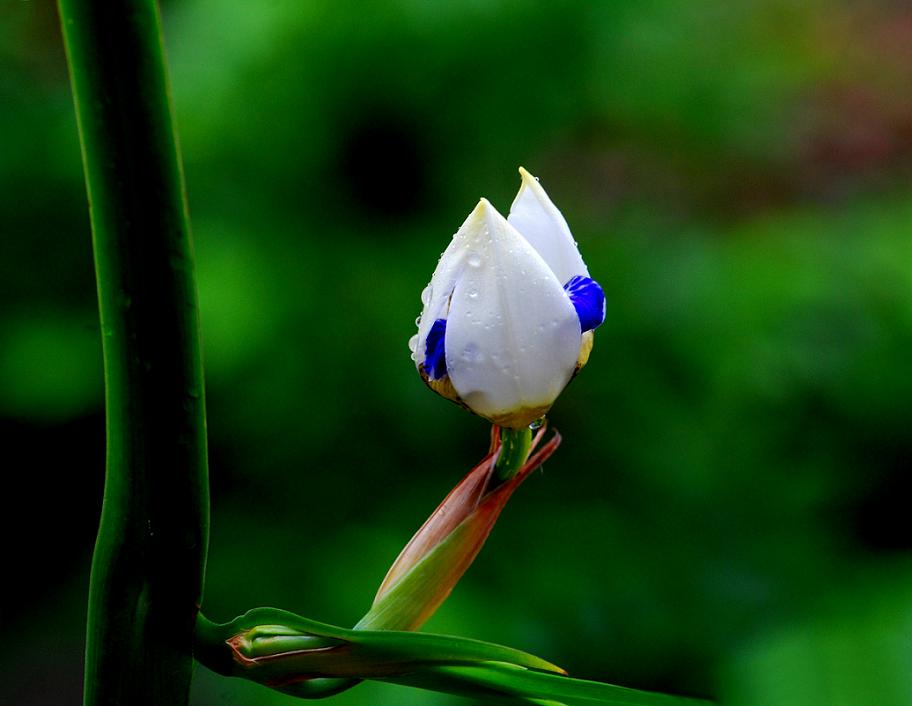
[515, 445]
[149, 559]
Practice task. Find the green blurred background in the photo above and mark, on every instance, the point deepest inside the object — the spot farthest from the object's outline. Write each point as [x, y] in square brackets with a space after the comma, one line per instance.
[728, 515]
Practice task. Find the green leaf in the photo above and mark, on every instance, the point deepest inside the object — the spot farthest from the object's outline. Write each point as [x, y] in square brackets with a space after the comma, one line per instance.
[509, 684]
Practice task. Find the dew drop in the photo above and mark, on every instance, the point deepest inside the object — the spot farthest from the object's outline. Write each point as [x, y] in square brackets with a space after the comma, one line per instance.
[473, 259]
[473, 294]
[426, 295]
[418, 321]
[413, 343]
[471, 353]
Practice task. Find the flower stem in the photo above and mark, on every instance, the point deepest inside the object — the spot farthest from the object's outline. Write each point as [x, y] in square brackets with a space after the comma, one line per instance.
[310, 660]
[514, 451]
[147, 570]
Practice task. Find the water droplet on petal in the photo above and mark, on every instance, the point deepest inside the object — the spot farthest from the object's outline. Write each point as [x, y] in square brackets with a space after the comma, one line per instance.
[418, 321]
[413, 344]
[471, 353]
[473, 294]
[473, 259]
[426, 295]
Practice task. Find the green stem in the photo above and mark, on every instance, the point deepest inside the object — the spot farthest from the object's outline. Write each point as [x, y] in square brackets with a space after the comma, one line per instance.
[514, 452]
[312, 660]
[147, 570]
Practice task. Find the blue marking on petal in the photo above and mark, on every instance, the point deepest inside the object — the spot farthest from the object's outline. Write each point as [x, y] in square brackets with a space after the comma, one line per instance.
[588, 299]
[434, 357]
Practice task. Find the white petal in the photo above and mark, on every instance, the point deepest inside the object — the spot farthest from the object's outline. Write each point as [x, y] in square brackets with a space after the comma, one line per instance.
[537, 218]
[513, 336]
[436, 296]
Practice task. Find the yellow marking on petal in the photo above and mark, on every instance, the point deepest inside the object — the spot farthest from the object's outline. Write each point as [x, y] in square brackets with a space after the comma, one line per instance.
[519, 418]
[514, 419]
[585, 350]
[443, 387]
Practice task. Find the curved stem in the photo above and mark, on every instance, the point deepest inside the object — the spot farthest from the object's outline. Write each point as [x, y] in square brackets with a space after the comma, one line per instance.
[310, 660]
[147, 570]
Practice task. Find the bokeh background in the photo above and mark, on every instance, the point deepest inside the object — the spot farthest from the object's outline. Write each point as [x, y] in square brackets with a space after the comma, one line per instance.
[729, 514]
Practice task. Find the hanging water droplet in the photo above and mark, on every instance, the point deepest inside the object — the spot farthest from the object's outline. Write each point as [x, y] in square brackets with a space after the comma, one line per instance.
[413, 343]
[418, 320]
[473, 259]
[426, 295]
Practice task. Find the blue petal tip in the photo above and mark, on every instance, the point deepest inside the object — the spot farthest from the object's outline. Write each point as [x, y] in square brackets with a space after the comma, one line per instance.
[434, 353]
[588, 299]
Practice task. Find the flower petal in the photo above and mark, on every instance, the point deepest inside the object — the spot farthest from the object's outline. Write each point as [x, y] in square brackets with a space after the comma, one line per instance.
[537, 218]
[435, 360]
[513, 336]
[588, 300]
[435, 298]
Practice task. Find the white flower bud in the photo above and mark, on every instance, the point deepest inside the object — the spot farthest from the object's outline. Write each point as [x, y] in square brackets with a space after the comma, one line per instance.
[502, 327]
